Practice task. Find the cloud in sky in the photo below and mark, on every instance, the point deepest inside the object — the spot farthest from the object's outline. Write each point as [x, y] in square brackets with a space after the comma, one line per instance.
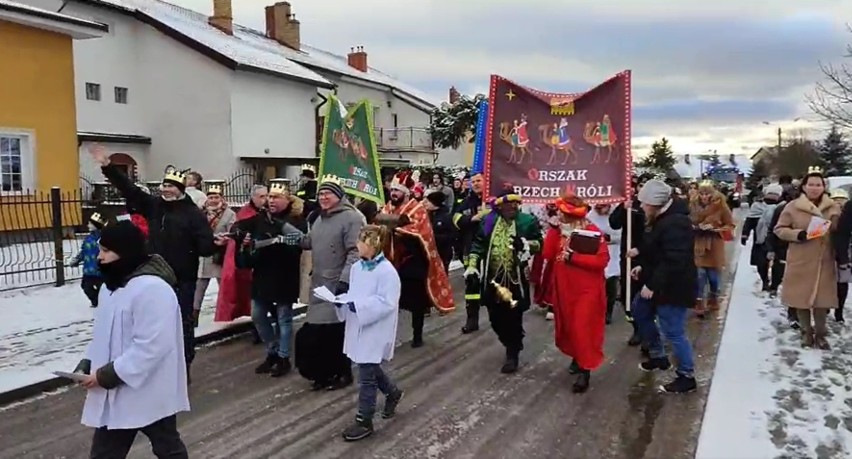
[705, 74]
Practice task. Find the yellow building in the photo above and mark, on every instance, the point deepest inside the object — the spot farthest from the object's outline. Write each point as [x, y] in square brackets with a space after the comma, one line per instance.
[38, 126]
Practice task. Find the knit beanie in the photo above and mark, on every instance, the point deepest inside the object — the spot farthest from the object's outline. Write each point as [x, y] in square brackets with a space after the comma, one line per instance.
[125, 239]
[332, 187]
[437, 198]
[774, 188]
[655, 193]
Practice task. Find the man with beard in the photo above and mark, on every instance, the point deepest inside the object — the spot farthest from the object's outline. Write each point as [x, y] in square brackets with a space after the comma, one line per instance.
[439, 185]
[273, 261]
[415, 255]
[460, 193]
[181, 234]
[466, 219]
[501, 247]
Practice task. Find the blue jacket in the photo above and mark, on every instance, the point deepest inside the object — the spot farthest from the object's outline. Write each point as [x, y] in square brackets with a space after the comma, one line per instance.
[88, 255]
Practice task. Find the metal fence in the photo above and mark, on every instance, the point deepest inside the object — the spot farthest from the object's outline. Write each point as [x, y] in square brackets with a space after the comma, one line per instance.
[404, 138]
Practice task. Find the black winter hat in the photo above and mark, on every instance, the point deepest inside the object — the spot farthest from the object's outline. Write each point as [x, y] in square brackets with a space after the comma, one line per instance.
[437, 198]
[125, 239]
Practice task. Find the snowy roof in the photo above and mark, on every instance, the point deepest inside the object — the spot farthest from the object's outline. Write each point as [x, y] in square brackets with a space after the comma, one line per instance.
[250, 47]
[697, 165]
[27, 10]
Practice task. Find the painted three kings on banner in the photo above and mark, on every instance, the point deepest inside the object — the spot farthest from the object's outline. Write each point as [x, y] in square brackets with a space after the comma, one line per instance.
[542, 144]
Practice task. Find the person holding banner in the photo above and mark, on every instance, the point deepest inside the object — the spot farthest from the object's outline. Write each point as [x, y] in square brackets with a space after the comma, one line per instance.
[499, 253]
[576, 255]
[466, 219]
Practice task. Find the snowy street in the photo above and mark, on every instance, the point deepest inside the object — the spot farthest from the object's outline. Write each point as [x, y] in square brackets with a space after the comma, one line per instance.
[769, 397]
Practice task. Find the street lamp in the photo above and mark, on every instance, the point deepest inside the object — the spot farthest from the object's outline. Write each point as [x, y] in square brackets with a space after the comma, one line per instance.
[779, 131]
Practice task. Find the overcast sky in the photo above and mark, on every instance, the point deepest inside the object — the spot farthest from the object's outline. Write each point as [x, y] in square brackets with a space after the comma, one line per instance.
[705, 74]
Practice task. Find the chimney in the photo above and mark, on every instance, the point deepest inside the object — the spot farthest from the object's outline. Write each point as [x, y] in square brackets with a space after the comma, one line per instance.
[358, 58]
[282, 26]
[222, 18]
[454, 95]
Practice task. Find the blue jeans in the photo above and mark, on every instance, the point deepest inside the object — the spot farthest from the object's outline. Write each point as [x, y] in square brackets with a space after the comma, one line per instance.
[372, 379]
[672, 321]
[282, 314]
[706, 275]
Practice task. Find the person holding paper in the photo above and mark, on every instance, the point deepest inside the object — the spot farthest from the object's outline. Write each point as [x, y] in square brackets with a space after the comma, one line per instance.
[712, 220]
[137, 379]
[810, 280]
[844, 276]
[576, 276]
[371, 312]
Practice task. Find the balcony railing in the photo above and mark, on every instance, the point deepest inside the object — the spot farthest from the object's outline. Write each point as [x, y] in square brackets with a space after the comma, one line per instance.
[404, 138]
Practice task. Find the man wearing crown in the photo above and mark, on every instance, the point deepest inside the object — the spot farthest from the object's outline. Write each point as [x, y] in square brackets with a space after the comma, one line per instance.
[181, 234]
[413, 251]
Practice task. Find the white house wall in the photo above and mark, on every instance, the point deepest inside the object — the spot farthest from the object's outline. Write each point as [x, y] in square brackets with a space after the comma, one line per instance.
[91, 171]
[272, 114]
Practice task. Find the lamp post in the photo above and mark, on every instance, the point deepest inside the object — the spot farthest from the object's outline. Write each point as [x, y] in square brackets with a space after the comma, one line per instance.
[780, 130]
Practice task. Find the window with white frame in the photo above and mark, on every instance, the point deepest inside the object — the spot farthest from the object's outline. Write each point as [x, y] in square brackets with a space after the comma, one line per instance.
[15, 161]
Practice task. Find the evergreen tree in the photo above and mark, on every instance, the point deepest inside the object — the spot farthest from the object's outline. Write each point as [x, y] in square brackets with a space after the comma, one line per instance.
[453, 123]
[835, 153]
[759, 171]
[661, 159]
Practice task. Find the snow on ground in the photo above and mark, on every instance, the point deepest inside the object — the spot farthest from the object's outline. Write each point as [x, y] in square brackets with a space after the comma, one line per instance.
[38, 260]
[770, 398]
[46, 329]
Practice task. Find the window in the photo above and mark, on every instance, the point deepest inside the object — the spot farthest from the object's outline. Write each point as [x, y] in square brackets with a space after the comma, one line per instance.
[14, 163]
[395, 119]
[93, 91]
[120, 95]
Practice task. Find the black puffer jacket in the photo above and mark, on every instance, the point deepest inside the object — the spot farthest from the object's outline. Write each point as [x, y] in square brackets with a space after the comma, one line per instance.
[177, 230]
[667, 258]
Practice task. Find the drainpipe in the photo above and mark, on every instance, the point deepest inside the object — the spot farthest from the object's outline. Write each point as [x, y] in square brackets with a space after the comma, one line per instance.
[64, 4]
[317, 117]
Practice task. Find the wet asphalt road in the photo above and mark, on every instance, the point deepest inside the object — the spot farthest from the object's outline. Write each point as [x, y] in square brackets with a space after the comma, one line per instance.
[457, 404]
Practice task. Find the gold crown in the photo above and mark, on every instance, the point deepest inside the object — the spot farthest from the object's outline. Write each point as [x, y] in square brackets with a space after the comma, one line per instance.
[279, 186]
[815, 170]
[214, 188]
[174, 175]
[561, 107]
[330, 178]
[309, 167]
[97, 218]
[708, 183]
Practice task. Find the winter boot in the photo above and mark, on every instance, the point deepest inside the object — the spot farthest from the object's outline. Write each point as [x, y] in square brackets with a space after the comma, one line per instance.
[281, 367]
[582, 383]
[255, 336]
[340, 382]
[713, 303]
[512, 362]
[472, 323]
[574, 369]
[680, 385]
[361, 429]
[700, 309]
[635, 338]
[808, 339]
[838, 316]
[821, 343]
[650, 365]
[391, 402]
[266, 366]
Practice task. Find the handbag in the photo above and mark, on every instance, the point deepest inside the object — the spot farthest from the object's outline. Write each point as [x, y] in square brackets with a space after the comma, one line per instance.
[584, 241]
[727, 234]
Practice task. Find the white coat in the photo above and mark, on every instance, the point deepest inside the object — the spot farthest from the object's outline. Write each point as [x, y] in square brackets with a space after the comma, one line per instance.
[371, 329]
[613, 268]
[138, 328]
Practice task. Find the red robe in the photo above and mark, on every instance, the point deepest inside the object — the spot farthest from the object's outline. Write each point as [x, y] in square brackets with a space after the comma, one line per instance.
[234, 298]
[579, 299]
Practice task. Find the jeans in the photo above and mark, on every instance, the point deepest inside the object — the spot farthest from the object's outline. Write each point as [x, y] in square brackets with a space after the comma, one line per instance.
[706, 275]
[116, 443]
[282, 314]
[372, 379]
[186, 296]
[672, 321]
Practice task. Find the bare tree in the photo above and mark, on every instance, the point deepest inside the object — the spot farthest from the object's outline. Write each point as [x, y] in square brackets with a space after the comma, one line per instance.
[832, 99]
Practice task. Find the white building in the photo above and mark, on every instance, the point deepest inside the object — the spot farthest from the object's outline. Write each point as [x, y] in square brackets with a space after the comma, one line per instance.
[171, 86]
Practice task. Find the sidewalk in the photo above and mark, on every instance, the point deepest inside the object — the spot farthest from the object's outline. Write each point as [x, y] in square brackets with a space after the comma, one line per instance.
[46, 329]
[769, 397]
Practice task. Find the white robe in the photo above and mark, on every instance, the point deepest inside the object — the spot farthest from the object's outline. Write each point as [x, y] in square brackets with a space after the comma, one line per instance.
[371, 329]
[613, 268]
[138, 327]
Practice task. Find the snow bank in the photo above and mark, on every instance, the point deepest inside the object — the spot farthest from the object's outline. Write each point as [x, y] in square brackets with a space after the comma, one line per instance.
[769, 397]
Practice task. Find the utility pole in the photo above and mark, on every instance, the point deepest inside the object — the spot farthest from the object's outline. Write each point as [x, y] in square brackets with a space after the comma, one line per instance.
[779, 140]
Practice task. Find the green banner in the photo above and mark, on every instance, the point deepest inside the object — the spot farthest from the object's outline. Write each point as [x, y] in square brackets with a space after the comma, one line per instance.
[349, 150]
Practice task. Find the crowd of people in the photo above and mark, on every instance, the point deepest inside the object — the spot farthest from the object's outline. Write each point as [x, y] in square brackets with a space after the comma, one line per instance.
[573, 259]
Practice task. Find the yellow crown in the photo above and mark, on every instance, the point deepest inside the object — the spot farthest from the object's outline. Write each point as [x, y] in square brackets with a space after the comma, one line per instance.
[174, 175]
[309, 167]
[815, 170]
[97, 218]
[707, 183]
[330, 178]
[561, 107]
[214, 188]
[279, 186]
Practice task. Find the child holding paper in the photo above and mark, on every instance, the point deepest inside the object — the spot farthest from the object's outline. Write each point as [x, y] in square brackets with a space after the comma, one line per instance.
[371, 311]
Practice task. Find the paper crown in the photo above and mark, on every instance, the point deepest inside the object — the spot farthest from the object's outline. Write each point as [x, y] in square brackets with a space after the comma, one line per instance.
[214, 187]
[815, 170]
[560, 106]
[174, 175]
[707, 183]
[309, 167]
[330, 178]
[279, 186]
[98, 218]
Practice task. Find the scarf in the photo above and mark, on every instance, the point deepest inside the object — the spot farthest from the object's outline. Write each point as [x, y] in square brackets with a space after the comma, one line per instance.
[214, 214]
[370, 265]
[116, 274]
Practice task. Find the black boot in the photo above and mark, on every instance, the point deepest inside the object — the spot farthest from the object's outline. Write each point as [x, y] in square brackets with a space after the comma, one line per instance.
[417, 328]
[574, 369]
[391, 402]
[472, 323]
[281, 367]
[512, 361]
[838, 315]
[255, 336]
[361, 429]
[340, 382]
[266, 366]
[650, 365]
[635, 339]
[582, 383]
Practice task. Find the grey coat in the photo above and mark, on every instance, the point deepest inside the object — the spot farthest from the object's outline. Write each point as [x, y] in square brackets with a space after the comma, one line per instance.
[332, 240]
[207, 269]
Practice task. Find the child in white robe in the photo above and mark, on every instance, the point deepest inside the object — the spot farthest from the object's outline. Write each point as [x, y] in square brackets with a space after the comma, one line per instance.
[371, 312]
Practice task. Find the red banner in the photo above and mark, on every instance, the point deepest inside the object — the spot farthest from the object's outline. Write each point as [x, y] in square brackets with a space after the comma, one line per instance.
[544, 144]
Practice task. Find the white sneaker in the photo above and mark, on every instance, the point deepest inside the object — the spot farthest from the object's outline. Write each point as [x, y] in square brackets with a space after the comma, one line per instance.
[548, 316]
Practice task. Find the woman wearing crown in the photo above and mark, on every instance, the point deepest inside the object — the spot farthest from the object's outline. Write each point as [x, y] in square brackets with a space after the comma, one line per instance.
[711, 218]
[576, 278]
[220, 217]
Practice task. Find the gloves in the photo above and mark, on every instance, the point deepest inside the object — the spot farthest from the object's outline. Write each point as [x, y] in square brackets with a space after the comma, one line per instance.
[84, 367]
[802, 236]
[518, 244]
[471, 271]
[744, 240]
[292, 239]
[770, 256]
[341, 288]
